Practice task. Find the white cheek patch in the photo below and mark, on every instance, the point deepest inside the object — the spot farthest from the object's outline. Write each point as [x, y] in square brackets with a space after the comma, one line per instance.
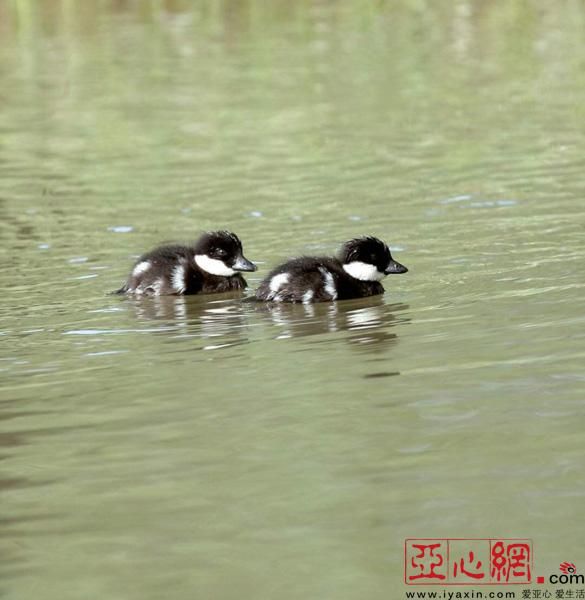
[213, 266]
[363, 271]
[178, 279]
[141, 268]
[278, 281]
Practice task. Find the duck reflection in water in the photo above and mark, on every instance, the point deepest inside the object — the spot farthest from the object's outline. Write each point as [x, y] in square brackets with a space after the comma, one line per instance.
[219, 321]
[365, 323]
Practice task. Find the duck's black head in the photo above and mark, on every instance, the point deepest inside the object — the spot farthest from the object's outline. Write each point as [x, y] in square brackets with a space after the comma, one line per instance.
[368, 259]
[220, 253]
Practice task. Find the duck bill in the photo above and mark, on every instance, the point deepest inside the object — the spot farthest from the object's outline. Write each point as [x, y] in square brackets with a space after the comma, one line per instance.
[243, 264]
[394, 268]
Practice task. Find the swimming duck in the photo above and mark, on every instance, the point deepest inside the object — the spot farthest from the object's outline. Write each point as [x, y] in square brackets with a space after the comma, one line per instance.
[356, 273]
[212, 264]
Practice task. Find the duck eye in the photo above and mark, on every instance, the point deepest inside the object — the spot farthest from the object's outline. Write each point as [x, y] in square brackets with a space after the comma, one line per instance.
[220, 252]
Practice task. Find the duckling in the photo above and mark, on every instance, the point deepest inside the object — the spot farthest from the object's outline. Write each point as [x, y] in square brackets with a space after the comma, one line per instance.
[356, 273]
[212, 264]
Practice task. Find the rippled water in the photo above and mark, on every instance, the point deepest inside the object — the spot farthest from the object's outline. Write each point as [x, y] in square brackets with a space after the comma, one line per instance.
[206, 447]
